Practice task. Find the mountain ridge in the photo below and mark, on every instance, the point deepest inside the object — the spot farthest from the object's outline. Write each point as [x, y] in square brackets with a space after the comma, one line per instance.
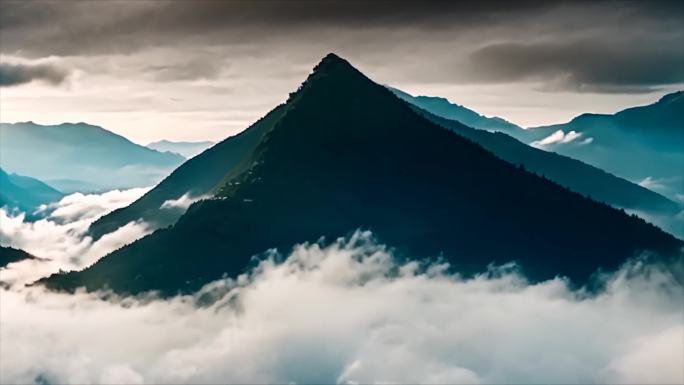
[444, 108]
[184, 148]
[10, 255]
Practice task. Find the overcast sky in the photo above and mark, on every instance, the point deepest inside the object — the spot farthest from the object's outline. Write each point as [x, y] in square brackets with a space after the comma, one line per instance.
[197, 70]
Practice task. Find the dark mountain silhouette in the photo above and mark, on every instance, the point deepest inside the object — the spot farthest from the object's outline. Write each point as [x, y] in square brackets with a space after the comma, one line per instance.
[9, 255]
[185, 149]
[573, 174]
[441, 107]
[83, 154]
[636, 143]
[345, 153]
[25, 193]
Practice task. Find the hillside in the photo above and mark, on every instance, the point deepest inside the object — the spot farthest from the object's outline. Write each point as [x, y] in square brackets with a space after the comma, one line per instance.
[196, 177]
[9, 255]
[344, 153]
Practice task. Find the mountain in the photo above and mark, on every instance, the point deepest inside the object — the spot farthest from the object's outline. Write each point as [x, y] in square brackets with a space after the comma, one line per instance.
[25, 193]
[344, 153]
[9, 255]
[198, 176]
[80, 152]
[443, 108]
[643, 144]
[573, 174]
[185, 149]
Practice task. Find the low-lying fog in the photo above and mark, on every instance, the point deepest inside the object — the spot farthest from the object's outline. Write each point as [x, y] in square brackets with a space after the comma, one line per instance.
[335, 312]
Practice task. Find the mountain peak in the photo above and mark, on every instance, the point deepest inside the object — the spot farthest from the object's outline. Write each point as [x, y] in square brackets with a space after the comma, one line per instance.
[331, 58]
[332, 72]
[332, 63]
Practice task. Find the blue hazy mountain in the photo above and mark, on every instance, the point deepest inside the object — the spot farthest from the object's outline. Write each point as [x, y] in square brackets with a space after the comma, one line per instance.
[345, 153]
[573, 174]
[25, 193]
[81, 153]
[443, 108]
[643, 144]
[186, 149]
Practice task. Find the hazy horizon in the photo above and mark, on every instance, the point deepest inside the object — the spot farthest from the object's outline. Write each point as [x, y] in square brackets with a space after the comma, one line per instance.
[146, 142]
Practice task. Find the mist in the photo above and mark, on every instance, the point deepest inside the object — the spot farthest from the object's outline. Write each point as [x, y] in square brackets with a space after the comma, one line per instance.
[60, 241]
[348, 312]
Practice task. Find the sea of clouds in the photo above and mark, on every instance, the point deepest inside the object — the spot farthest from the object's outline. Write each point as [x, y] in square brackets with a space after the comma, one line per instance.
[348, 312]
[60, 239]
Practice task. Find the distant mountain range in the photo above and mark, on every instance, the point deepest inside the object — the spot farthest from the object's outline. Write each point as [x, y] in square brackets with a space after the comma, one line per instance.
[81, 157]
[185, 149]
[573, 174]
[25, 193]
[443, 108]
[345, 153]
[643, 144]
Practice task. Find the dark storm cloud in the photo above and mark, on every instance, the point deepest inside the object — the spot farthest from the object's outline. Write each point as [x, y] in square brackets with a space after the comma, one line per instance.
[600, 46]
[587, 65]
[97, 27]
[16, 74]
[186, 70]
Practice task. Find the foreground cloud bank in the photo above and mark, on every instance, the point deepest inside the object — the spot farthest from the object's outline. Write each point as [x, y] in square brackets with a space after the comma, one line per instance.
[60, 240]
[349, 312]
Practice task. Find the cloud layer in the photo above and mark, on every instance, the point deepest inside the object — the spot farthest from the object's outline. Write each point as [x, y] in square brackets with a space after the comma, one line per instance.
[182, 203]
[151, 69]
[61, 239]
[583, 66]
[572, 46]
[349, 313]
[560, 137]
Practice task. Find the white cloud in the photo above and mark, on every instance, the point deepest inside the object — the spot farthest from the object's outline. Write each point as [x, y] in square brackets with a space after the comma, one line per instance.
[570, 136]
[560, 137]
[652, 183]
[61, 239]
[654, 351]
[349, 313]
[586, 141]
[553, 138]
[78, 206]
[182, 203]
